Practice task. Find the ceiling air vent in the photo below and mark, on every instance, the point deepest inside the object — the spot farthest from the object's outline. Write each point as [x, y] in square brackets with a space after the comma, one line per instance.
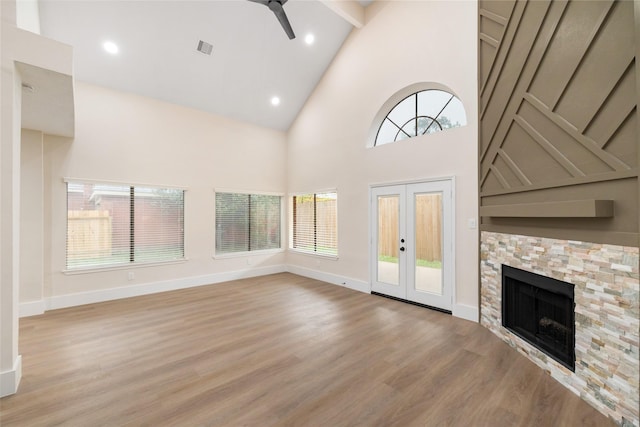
[205, 47]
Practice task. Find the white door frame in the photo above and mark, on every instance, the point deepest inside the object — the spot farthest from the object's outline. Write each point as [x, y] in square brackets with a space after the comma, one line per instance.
[449, 279]
[397, 290]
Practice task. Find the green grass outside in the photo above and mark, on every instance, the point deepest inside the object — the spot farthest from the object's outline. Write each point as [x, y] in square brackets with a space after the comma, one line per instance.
[421, 262]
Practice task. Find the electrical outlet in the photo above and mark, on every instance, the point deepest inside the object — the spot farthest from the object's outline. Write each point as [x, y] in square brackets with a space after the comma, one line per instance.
[472, 223]
[131, 275]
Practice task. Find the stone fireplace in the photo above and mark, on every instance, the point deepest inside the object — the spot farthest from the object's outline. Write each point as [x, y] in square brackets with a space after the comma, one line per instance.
[540, 310]
[606, 319]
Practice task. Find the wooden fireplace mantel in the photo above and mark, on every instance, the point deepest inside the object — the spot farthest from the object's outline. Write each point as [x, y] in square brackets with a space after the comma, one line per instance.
[566, 209]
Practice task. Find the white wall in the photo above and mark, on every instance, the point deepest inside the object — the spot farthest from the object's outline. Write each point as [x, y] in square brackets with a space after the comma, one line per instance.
[31, 217]
[131, 139]
[28, 15]
[402, 43]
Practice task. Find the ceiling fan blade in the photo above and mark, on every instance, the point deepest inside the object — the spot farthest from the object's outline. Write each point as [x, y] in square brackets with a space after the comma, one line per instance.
[276, 8]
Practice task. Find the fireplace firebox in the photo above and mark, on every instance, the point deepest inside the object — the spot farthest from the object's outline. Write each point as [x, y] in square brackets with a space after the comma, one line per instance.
[540, 310]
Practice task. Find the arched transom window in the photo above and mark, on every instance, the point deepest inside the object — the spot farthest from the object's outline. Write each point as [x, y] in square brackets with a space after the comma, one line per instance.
[421, 113]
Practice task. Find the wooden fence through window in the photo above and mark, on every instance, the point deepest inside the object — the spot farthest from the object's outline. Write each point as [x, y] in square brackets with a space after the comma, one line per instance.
[428, 227]
[326, 222]
[89, 234]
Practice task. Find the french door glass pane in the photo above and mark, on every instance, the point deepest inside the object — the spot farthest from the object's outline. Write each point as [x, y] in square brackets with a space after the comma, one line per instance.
[428, 241]
[388, 239]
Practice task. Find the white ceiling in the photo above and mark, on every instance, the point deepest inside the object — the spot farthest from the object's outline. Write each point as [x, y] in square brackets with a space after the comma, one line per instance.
[252, 59]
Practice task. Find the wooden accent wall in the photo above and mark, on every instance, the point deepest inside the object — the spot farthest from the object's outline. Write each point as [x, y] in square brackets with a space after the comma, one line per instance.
[559, 119]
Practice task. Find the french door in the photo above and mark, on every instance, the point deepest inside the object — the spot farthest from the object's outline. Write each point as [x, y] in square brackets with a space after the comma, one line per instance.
[411, 250]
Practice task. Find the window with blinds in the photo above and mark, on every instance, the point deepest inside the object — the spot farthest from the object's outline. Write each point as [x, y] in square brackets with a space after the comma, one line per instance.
[247, 222]
[116, 225]
[315, 223]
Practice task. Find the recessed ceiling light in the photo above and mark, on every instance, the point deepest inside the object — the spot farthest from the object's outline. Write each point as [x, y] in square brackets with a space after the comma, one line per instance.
[309, 39]
[110, 47]
[275, 101]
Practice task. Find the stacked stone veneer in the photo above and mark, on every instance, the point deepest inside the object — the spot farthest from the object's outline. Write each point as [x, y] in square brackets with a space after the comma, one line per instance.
[605, 278]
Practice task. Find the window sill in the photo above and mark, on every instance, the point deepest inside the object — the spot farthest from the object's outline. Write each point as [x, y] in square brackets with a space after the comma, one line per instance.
[89, 270]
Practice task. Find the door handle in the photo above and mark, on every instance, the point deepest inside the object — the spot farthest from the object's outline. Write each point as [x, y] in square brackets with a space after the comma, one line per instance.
[401, 248]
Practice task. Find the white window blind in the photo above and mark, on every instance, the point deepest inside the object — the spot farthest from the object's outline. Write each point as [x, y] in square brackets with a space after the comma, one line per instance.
[315, 223]
[247, 222]
[115, 224]
[158, 224]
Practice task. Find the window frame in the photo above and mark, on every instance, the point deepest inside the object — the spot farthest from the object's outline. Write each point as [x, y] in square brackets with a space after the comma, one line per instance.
[250, 252]
[394, 100]
[131, 264]
[293, 219]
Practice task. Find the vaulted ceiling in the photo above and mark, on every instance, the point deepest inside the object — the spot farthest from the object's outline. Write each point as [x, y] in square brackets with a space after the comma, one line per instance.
[251, 62]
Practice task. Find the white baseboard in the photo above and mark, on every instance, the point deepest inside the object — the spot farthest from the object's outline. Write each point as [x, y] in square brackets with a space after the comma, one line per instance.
[10, 380]
[32, 308]
[347, 282]
[466, 312]
[102, 295]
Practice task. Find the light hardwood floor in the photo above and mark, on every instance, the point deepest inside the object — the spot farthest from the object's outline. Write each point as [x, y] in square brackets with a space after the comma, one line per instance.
[276, 350]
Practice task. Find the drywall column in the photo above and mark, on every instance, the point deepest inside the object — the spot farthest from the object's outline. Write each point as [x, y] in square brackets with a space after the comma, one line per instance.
[10, 98]
[31, 223]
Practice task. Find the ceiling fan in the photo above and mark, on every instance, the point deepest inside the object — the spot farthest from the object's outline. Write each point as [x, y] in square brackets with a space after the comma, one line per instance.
[276, 7]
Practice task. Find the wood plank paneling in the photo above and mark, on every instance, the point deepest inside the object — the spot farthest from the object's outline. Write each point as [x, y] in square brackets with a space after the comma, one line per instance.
[558, 108]
[278, 350]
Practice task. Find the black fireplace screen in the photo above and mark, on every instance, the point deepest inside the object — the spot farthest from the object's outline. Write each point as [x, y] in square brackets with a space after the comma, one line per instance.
[540, 310]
